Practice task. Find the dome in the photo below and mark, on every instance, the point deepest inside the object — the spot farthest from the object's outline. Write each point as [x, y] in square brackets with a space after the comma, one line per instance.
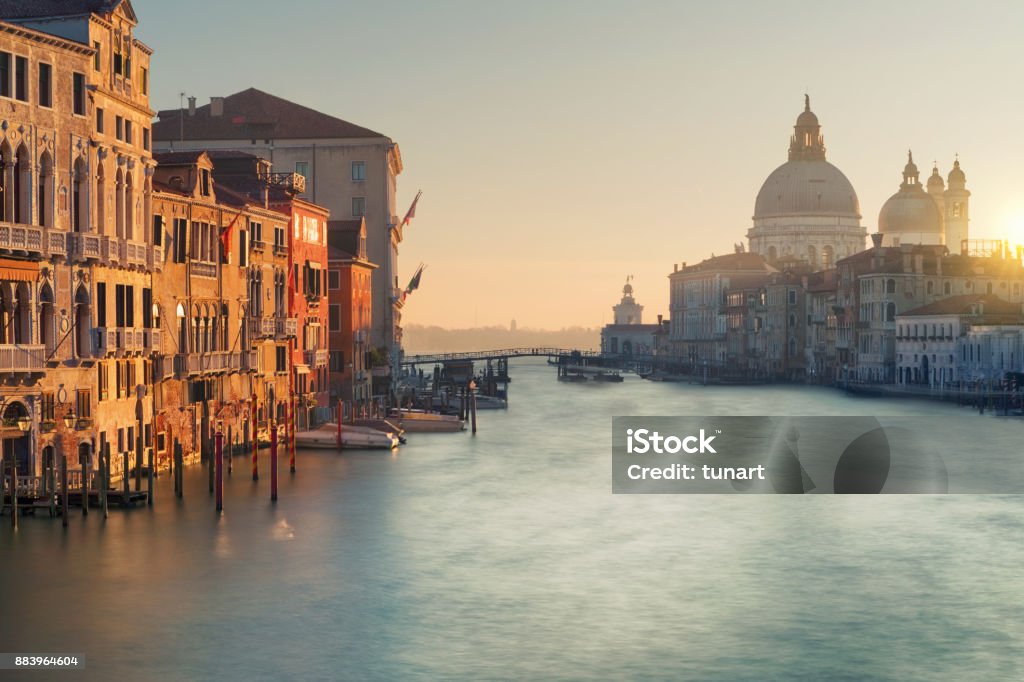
[910, 212]
[956, 176]
[807, 118]
[807, 187]
[935, 183]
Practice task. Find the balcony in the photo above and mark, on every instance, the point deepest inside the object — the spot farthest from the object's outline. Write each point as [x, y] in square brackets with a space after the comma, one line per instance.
[203, 269]
[110, 252]
[104, 342]
[85, 247]
[286, 327]
[56, 242]
[163, 367]
[250, 361]
[133, 254]
[258, 245]
[153, 338]
[262, 327]
[292, 183]
[19, 358]
[212, 362]
[22, 238]
[280, 249]
[156, 258]
[315, 358]
[130, 340]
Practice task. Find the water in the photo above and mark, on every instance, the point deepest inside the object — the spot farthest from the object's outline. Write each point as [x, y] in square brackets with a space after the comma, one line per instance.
[505, 556]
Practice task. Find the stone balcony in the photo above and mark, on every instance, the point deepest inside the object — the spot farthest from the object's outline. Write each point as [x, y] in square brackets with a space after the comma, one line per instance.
[316, 358]
[133, 254]
[286, 327]
[105, 341]
[156, 258]
[212, 362]
[130, 340]
[32, 240]
[153, 339]
[250, 361]
[22, 359]
[262, 327]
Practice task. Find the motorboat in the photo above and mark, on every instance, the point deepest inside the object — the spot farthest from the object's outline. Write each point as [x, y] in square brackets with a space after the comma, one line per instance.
[609, 377]
[382, 425]
[352, 437]
[420, 421]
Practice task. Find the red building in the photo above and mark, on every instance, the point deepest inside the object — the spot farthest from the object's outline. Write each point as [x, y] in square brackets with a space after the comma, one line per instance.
[307, 302]
[350, 294]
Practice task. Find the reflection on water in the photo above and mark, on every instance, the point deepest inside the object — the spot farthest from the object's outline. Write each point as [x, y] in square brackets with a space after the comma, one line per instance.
[507, 556]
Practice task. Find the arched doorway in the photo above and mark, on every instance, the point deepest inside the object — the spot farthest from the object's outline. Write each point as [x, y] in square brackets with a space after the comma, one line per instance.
[16, 443]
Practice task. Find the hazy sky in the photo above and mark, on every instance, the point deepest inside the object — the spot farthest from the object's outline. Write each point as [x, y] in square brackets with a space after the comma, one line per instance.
[563, 145]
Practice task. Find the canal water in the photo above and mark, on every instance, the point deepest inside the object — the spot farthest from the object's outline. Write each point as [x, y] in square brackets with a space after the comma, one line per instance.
[505, 556]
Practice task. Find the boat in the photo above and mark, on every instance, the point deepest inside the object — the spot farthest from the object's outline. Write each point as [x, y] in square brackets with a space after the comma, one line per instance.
[352, 437]
[419, 421]
[382, 425]
[572, 378]
[609, 377]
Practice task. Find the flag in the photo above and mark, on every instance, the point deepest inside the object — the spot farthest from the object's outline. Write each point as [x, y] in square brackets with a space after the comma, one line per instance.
[411, 213]
[225, 235]
[414, 283]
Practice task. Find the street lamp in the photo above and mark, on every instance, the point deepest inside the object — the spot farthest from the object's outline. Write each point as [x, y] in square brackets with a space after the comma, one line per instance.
[69, 419]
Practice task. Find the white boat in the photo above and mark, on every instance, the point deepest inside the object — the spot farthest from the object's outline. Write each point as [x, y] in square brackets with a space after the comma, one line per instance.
[352, 437]
[418, 421]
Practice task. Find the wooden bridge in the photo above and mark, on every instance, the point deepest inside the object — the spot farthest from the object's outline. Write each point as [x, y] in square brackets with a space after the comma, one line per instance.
[505, 353]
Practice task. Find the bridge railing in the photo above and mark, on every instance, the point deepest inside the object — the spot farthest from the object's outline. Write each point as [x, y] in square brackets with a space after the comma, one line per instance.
[527, 351]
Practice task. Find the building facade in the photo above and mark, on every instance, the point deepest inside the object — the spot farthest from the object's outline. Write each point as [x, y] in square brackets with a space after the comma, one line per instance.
[349, 291]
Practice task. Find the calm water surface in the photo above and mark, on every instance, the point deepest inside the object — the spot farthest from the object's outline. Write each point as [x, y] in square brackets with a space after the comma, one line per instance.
[505, 556]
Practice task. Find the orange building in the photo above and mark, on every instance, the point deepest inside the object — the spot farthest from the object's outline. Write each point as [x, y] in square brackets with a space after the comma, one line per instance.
[349, 293]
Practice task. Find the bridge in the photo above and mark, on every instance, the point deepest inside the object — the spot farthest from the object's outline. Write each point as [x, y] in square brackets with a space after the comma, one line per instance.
[503, 354]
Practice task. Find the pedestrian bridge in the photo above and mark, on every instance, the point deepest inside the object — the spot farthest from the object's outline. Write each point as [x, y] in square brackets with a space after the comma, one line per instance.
[505, 353]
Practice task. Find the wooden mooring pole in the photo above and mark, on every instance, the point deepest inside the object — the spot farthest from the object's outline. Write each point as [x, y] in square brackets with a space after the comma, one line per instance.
[151, 474]
[472, 408]
[231, 448]
[51, 484]
[85, 457]
[179, 461]
[138, 462]
[219, 464]
[14, 493]
[339, 411]
[255, 445]
[292, 430]
[105, 483]
[273, 463]
[64, 490]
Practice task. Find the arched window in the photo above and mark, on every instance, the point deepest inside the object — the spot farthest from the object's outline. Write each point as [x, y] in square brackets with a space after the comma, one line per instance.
[182, 329]
[23, 186]
[119, 203]
[129, 207]
[45, 200]
[101, 199]
[6, 181]
[79, 198]
[812, 255]
[83, 323]
[22, 314]
[828, 257]
[47, 325]
[890, 312]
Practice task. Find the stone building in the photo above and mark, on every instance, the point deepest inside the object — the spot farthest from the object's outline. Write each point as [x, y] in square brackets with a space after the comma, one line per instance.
[698, 304]
[350, 170]
[927, 339]
[807, 209]
[628, 334]
[349, 292]
[77, 186]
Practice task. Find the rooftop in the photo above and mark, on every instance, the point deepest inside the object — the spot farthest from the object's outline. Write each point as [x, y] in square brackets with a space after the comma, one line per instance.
[968, 304]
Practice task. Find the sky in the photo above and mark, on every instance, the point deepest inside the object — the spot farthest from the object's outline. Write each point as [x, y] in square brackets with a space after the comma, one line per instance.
[562, 146]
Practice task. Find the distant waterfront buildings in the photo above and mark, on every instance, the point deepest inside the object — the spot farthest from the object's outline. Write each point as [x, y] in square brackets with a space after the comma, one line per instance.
[628, 335]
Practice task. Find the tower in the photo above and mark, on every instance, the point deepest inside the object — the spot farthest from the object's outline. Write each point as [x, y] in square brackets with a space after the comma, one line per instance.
[628, 311]
[956, 199]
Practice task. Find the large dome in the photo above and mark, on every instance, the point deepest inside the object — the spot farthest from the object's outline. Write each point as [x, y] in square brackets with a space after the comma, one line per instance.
[807, 187]
[906, 212]
[911, 210]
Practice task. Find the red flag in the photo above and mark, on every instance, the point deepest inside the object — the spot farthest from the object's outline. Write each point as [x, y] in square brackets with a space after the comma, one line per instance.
[412, 209]
[225, 235]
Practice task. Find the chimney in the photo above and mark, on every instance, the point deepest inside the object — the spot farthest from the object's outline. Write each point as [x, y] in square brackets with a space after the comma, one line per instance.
[191, 106]
[675, 267]
[876, 240]
[216, 106]
[659, 320]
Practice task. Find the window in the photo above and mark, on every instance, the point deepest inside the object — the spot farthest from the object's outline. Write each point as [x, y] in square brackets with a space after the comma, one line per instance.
[333, 279]
[101, 304]
[147, 308]
[358, 171]
[45, 85]
[21, 78]
[282, 359]
[118, 59]
[101, 381]
[335, 318]
[83, 403]
[128, 137]
[96, 57]
[204, 180]
[243, 249]
[5, 74]
[180, 240]
[158, 230]
[145, 139]
[99, 120]
[358, 206]
[302, 168]
[46, 408]
[256, 230]
[337, 361]
[79, 93]
[144, 81]
[119, 127]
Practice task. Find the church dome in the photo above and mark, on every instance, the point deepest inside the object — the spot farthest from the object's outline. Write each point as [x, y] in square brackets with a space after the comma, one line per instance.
[807, 187]
[956, 176]
[935, 183]
[911, 210]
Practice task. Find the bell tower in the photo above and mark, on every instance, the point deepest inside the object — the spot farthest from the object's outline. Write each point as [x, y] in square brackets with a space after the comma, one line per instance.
[956, 200]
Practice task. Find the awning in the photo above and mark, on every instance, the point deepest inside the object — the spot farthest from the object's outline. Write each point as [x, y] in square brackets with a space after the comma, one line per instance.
[18, 270]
